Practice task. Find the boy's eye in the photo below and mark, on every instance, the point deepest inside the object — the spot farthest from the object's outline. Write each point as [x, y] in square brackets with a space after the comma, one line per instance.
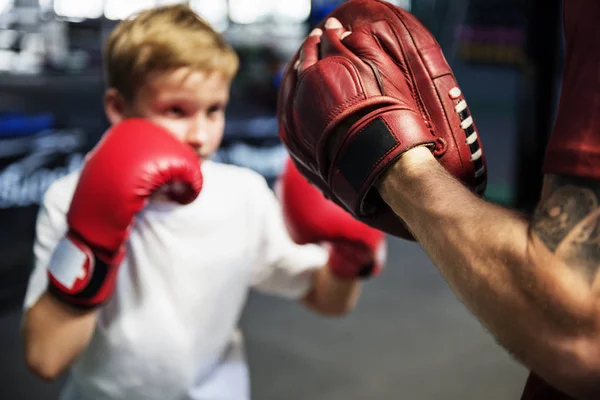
[215, 108]
[175, 111]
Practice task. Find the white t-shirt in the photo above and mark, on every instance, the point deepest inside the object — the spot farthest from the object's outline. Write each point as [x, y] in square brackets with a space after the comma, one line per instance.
[170, 329]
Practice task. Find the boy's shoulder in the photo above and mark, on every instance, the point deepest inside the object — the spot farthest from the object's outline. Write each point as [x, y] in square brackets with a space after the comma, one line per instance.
[61, 190]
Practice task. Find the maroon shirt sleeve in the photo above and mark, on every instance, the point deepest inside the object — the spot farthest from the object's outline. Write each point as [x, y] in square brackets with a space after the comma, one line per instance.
[574, 147]
[538, 389]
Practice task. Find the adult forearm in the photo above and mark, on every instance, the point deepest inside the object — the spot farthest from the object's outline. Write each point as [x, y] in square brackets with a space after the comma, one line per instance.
[475, 246]
[532, 302]
[54, 334]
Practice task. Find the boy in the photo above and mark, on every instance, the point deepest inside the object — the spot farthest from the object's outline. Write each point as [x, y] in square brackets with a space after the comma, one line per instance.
[140, 295]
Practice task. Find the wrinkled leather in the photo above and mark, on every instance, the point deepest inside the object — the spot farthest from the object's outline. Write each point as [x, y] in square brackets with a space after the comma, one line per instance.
[381, 91]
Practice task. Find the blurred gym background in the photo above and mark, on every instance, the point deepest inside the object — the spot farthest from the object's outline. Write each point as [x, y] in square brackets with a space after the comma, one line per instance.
[409, 337]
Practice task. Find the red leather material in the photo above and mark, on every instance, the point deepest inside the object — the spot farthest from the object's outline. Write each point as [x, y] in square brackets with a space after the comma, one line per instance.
[390, 63]
[311, 218]
[132, 160]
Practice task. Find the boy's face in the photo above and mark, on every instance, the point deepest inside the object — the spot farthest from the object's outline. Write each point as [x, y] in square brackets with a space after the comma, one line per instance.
[188, 103]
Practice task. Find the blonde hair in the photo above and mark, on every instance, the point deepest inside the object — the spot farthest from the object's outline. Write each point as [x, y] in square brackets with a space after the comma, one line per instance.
[162, 39]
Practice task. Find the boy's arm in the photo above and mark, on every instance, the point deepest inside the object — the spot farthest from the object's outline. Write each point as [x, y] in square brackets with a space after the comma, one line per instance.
[54, 334]
[330, 295]
[82, 265]
[355, 250]
[321, 272]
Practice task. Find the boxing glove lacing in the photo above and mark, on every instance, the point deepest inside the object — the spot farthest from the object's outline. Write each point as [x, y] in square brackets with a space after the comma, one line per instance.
[467, 126]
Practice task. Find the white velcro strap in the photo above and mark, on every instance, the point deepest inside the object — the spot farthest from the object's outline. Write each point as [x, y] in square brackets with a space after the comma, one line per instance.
[460, 106]
[67, 264]
[466, 123]
[472, 138]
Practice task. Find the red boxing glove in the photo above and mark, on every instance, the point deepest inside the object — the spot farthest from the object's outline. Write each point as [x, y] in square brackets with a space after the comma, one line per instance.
[132, 160]
[357, 250]
[355, 105]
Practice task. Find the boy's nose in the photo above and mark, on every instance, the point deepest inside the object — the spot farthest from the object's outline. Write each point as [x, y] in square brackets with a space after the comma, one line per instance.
[197, 135]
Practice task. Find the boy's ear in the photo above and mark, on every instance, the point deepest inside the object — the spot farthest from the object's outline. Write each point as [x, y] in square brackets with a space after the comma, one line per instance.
[115, 106]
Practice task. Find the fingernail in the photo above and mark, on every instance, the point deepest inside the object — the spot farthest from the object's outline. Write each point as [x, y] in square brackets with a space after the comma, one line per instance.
[345, 35]
[315, 32]
[332, 23]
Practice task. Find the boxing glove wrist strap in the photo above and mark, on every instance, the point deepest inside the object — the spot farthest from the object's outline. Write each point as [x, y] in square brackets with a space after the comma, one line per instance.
[78, 277]
[351, 261]
[370, 146]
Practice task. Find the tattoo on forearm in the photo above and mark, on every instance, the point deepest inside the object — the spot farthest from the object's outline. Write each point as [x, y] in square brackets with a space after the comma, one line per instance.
[567, 221]
[564, 209]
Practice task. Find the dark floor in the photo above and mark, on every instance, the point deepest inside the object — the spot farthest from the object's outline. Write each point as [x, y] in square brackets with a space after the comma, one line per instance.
[409, 338]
